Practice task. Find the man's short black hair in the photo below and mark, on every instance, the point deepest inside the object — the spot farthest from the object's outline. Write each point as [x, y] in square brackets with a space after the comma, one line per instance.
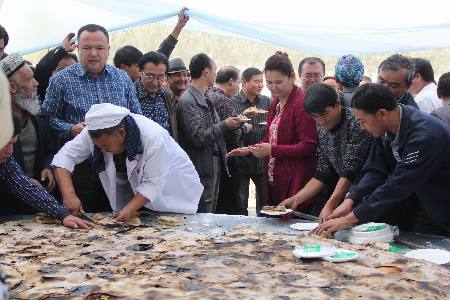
[154, 57]
[4, 35]
[443, 86]
[198, 63]
[93, 28]
[318, 97]
[99, 132]
[371, 97]
[310, 60]
[127, 55]
[397, 62]
[226, 73]
[329, 77]
[424, 68]
[249, 73]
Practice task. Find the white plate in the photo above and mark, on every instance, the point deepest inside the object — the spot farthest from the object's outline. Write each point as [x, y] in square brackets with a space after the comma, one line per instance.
[313, 251]
[436, 256]
[304, 226]
[342, 255]
[263, 123]
[276, 213]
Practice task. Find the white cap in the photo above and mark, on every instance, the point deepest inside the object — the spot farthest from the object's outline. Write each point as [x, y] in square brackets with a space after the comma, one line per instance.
[105, 115]
[6, 130]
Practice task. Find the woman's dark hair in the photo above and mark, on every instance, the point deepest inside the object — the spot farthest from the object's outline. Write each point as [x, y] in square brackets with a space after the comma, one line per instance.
[279, 62]
[372, 97]
[318, 97]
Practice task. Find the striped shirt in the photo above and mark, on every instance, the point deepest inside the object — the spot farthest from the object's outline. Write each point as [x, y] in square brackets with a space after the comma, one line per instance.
[250, 164]
[17, 183]
[153, 108]
[72, 92]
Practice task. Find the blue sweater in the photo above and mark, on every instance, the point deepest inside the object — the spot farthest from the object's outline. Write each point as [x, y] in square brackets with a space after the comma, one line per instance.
[14, 180]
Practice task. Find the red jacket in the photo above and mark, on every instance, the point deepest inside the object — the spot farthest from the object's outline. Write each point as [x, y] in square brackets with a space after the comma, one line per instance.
[295, 151]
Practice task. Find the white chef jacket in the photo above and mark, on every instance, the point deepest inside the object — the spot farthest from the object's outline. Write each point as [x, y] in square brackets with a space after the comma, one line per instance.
[427, 98]
[163, 173]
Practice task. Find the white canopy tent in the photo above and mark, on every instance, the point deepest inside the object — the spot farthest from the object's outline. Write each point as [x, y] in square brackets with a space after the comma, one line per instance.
[325, 27]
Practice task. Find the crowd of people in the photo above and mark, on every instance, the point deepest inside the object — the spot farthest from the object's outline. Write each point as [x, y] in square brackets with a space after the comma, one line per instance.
[152, 133]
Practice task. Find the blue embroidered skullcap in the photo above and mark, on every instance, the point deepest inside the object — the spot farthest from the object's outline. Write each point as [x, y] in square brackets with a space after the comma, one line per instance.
[349, 70]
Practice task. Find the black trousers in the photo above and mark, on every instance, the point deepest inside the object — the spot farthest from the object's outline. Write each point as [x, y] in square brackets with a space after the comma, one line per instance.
[243, 191]
[89, 189]
[208, 200]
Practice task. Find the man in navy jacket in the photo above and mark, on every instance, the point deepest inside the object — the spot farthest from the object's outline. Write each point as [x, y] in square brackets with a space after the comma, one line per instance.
[410, 155]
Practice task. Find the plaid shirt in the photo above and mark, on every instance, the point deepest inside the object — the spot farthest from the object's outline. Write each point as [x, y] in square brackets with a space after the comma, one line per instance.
[153, 108]
[73, 91]
[13, 178]
[250, 164]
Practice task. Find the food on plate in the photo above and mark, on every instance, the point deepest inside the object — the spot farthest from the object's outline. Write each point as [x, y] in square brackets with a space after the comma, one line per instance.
[274, 208]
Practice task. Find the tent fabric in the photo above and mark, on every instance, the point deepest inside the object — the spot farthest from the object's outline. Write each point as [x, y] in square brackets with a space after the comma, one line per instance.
[328, 30]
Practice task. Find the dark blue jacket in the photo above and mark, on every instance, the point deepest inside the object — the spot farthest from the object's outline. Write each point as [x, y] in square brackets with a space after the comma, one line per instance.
[424, 169]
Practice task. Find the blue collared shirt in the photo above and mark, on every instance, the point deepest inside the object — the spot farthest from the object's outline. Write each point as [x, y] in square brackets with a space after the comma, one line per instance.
[153, 108]
[72, 92]
[17, 183]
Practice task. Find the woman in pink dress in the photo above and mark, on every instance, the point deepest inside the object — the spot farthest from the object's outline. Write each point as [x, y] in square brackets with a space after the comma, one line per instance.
[289, 147]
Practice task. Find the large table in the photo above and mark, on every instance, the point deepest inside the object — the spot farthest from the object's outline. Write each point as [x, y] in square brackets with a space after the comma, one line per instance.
[212, 256]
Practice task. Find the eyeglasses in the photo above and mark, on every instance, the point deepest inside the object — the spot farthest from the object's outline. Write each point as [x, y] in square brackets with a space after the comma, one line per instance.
[312, 75]
[150, 76]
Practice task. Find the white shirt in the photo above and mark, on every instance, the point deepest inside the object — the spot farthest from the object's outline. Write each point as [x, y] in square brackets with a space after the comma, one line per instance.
[427, 98]
[163, 173]
[6, 131]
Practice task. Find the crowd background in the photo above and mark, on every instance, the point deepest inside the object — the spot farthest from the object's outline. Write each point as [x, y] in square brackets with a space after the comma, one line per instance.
[242, 53]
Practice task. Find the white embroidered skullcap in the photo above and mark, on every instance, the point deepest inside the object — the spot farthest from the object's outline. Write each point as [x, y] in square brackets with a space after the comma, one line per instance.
[105, 115]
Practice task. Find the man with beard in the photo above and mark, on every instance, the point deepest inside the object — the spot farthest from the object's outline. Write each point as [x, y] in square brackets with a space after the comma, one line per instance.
[177, 77]
[35, 146]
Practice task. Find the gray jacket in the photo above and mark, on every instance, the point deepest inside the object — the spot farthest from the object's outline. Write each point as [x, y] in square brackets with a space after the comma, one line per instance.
[443, 113]
[200, 130]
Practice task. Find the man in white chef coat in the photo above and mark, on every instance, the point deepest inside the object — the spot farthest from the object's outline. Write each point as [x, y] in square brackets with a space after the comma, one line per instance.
[138, 162]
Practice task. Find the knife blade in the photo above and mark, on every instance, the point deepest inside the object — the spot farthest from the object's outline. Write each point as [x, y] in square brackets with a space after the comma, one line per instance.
[86, 218]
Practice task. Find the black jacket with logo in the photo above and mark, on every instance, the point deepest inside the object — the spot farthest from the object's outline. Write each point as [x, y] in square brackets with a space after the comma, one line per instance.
[423, 168]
